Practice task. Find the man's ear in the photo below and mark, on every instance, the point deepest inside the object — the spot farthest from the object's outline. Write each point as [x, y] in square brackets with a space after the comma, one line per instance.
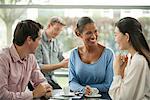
[127, 36]
[29, 40]
[49, 25]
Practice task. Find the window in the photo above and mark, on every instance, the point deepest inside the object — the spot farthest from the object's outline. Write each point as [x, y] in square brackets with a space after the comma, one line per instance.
[104, 12]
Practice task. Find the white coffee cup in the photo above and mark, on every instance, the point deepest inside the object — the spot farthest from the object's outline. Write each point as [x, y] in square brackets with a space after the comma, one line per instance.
[94, 91]
[66, 90]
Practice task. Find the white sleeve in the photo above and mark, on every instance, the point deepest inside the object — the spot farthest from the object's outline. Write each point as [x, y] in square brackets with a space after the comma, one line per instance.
[125, 89]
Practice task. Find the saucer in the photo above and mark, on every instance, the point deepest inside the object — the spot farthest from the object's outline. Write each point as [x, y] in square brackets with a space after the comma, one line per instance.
[68, 95]
[93, 96]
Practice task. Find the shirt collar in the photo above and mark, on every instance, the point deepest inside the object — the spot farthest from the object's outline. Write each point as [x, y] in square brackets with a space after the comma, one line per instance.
[15, 55]
[44, 37]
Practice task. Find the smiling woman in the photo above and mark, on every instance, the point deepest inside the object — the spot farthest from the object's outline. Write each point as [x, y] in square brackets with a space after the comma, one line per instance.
[90, 65]
[131, 79]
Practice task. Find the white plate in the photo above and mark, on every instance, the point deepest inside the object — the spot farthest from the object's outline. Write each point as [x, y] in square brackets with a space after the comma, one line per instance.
[58, 98]
[93, 96]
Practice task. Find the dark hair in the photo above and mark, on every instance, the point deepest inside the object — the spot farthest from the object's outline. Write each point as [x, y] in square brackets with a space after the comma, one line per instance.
[81, 24]
[134, 29]
[24, 29]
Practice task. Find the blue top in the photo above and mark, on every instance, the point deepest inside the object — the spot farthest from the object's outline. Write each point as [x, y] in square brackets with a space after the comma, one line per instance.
[98, 75]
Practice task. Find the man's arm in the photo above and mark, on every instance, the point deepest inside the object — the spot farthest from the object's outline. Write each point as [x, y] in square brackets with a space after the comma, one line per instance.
[41, 86]
[48, 67]
[52, 67]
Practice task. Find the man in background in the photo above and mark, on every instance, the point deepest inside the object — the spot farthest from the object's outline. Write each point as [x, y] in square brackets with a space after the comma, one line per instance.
[49, 53]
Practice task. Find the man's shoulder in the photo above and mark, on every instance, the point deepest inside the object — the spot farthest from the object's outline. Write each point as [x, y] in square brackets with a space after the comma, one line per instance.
[5, 53]
[5, 50]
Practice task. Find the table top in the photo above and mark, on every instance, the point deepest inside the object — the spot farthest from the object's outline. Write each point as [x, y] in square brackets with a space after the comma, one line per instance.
[58, 94]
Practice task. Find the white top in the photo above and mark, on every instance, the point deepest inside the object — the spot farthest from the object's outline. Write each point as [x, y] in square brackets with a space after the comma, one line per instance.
[136, 82]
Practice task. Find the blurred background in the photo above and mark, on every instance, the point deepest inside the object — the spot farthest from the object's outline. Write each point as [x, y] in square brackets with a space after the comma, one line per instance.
[104, 12]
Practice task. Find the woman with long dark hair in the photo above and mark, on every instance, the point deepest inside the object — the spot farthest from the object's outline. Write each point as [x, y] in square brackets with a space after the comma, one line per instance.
[131, 80]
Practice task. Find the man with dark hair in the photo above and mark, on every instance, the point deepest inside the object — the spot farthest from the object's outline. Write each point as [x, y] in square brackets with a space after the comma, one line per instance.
[18, 65]
[49, 54]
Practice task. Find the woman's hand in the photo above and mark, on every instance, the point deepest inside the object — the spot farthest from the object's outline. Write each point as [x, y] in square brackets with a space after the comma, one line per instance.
[119, 64]
[88, 90]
